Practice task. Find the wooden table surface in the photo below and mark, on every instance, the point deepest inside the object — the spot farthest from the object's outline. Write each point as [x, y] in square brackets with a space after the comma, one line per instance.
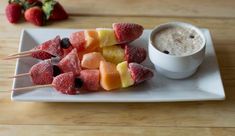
[213, 118]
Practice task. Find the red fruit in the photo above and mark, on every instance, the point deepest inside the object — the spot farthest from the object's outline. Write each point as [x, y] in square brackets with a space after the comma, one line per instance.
[52, 47]
[41, 54]
[78, 40]
[67, 51]
[70, 63]
[140, 73]
[13, 12]
[127, 32]
[135, 54]
[65, 83]
[35, 16]
[42, 73]
[33, 1]
[54, 10]
[91, 79]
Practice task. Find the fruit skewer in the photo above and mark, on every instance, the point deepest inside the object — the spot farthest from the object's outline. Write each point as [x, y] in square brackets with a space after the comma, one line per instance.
[40, 73]
[51, 48]
[85, 41]
[65, 83]
[109, 77]
[71, 63]
[44, 71]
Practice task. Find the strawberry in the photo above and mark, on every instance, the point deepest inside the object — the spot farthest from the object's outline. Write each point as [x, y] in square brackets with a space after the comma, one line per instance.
[42, 73]
[35, 16]
[127, 32]
[91, 79]
[78, 41]
[13, 11]
[139, 73]
[41, 54]
[54, 10]
[32, 1]
[135, 54]
[65, 83]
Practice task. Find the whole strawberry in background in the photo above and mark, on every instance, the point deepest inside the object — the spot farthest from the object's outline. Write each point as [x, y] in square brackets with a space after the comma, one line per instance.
[13, 11]
[54, 10]
[35, 16]
[31, 3]
[35, 11]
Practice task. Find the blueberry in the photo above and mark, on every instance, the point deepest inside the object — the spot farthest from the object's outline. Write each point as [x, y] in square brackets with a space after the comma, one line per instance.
[191, 36]
[166, 52]
[78, 82]
[56, 70]
[65, 43]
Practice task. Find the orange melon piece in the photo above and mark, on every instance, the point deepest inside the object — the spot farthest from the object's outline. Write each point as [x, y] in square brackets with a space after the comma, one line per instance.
[92, 40]
[92, 43]
[92, 60]
[109, 76]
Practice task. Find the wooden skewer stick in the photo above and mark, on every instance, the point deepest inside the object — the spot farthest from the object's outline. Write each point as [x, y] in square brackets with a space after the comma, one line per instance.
[20, 75]
[24, 52]
[15, 57]
[32, 87]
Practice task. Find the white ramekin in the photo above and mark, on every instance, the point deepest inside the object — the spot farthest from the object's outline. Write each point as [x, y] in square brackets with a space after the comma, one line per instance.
[175, 67]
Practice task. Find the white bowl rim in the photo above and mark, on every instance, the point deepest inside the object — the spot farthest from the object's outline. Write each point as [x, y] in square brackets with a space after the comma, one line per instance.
[181, 24]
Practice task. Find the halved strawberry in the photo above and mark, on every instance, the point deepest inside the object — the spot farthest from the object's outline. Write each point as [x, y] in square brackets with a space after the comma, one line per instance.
[135, 54]
[52, 47]
[91, 79]
[78, 41]
[127, 32]
[65, 83]
[42, 73]
[41, 54]
[70, 63]
[139, 73]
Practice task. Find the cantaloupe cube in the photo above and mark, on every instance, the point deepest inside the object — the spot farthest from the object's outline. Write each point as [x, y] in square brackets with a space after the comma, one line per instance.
[109, 76]
[92, 40]
[125, 74]
[91, 43]
[106, 36]
[114, 54]
[92, 60]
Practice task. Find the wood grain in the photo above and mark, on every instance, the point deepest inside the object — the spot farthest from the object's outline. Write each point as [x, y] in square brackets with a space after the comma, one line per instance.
[178, 8]
[38, 130]
[215, 118]
[191, 114]
[188, 114]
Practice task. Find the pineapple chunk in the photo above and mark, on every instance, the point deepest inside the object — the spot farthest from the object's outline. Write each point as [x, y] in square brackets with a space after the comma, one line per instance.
[107, 37]
[125, 74]
[114, 54]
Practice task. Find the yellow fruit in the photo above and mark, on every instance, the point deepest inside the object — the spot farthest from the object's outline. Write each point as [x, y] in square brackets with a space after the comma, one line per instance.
[109, 76]
[114, 54]
[125, 74]
[107, 37]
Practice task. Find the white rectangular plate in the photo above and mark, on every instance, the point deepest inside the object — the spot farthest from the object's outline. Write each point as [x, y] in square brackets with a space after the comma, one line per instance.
[206, 84]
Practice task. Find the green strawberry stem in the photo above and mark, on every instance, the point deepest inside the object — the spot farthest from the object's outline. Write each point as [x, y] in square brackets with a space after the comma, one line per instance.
[48, 6]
